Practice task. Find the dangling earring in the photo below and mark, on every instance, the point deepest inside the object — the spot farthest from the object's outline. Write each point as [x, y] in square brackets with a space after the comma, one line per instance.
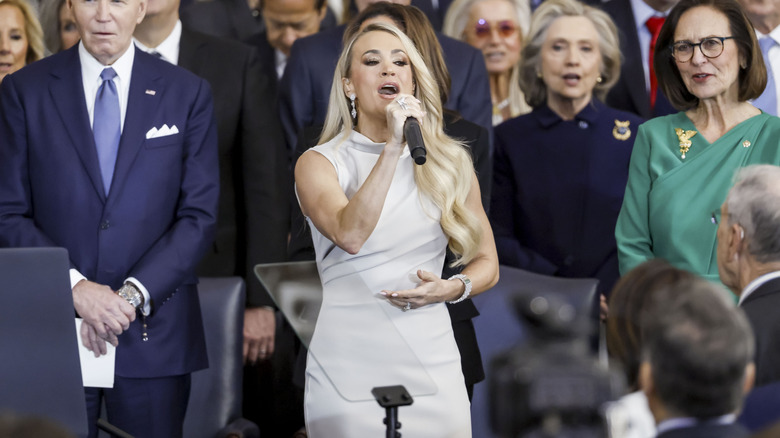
[599, 79]
[352, 102]
[539, 74]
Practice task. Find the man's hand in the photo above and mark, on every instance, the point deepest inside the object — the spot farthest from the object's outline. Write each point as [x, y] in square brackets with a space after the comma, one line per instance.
[105, 312]
[259, 333]
[91, 340]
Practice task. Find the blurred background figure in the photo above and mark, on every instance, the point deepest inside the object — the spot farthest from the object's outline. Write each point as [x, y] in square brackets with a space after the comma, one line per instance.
[60, 31]
[235, 19]
[639, 22]
[285, 22]
[630, 299]
[21, 37]
[765, 16]
[18, 426]
[709, 65]
[560, 172]
[749, 259]
[497, 28]
[697, 362]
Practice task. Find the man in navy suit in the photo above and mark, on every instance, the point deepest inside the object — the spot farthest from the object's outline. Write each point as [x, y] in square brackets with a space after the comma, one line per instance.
[112, 154]
[697, 361]
[749, 259]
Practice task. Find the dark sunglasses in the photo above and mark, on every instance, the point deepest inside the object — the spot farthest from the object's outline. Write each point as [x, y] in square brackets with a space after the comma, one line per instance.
[505, 28]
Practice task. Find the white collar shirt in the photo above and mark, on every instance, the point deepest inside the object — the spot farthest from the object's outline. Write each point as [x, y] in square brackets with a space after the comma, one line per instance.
[169, 48]
[90, 76]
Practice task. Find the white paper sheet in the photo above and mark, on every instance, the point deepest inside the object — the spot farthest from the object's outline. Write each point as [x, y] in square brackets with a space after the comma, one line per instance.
[96, 372]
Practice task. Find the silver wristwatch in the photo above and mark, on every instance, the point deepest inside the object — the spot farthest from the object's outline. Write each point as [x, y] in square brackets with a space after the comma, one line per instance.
[131, 294]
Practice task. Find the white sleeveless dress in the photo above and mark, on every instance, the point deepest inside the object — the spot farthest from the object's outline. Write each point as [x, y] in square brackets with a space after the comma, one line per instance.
[361, 340]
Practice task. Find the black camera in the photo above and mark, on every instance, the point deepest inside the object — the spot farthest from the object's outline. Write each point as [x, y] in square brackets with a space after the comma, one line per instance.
[553, 385]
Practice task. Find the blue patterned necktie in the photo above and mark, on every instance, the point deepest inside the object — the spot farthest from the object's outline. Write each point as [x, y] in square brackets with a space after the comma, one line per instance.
[106, 126]
[767, 101]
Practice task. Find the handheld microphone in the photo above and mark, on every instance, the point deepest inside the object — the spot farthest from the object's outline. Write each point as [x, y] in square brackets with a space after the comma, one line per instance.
[414, 140]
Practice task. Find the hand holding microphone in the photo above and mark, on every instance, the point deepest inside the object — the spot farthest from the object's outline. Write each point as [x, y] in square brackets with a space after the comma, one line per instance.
[413, 134]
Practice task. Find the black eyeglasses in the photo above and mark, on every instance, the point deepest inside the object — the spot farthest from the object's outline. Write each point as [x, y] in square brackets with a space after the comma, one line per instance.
[711, 47]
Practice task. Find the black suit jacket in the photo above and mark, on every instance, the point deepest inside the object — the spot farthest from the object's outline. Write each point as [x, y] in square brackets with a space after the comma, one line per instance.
[305, 87]
[761, 308]
[707, 431]
[267, 57]
[252, 221]
[222, 18]
[630, 92]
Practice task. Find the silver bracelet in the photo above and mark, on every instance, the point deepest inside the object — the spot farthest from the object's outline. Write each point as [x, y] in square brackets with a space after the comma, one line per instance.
[466, 282]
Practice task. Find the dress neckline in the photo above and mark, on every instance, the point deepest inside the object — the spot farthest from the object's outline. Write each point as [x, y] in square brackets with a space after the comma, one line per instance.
[365, 144]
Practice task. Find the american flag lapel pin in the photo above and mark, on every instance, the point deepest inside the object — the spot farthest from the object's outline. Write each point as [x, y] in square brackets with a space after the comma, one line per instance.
[151, 92]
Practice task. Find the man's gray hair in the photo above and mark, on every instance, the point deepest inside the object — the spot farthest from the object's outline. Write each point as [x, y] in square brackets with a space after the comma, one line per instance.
[754, 204]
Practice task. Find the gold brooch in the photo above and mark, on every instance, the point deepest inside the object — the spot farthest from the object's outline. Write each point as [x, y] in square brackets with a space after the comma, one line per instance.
[621, 130]
[685, 140]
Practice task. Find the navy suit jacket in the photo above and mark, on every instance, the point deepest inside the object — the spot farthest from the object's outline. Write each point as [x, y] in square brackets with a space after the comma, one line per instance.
[761, 310]
[557, 191]
[305, 87]
[630, 91]
[160, 213]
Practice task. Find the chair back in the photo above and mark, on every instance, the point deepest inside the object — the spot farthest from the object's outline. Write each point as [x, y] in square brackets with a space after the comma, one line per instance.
[215, 395]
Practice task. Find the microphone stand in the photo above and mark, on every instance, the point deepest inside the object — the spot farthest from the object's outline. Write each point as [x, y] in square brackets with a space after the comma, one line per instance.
[390, 398]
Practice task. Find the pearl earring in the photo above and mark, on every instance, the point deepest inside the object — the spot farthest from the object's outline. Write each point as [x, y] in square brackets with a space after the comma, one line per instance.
[352, 102]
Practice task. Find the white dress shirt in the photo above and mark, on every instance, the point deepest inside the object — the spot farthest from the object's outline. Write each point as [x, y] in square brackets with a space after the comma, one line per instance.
[169, 48]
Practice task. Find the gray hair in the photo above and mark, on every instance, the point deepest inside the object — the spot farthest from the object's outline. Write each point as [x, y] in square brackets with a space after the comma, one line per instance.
[754, 204]
[698, 345]
[532, 85]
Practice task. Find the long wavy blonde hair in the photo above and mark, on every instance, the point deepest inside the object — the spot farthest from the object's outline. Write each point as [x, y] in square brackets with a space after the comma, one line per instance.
[447, 175]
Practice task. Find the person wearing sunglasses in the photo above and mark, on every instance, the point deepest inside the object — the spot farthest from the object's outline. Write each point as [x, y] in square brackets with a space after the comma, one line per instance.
[709, 65]
[495, 27]
[560, 171]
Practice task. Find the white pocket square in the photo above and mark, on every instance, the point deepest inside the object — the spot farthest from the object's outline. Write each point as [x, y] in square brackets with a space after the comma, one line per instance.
[162, 132]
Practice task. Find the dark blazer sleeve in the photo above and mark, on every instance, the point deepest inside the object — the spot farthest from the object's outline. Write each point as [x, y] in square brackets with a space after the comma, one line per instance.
[17, 228]
[470, 91]
[502, 212]
[477, 139]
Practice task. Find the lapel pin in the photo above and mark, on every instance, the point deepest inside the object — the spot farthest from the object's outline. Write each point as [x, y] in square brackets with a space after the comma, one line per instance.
[151, 92]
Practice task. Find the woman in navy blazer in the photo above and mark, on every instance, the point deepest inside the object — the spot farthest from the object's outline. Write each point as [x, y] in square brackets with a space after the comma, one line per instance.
[560, 171]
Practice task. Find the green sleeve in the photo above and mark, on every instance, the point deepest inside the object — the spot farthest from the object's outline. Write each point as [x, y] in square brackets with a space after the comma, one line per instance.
[633, 229]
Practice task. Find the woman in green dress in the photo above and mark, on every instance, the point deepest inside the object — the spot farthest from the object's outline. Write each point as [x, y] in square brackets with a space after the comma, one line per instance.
[709, 65]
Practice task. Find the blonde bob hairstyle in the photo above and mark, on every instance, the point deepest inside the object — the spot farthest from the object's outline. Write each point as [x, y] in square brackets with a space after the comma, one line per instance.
[446, 177]
[454, 26]
[531, 58]
[32, 29]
